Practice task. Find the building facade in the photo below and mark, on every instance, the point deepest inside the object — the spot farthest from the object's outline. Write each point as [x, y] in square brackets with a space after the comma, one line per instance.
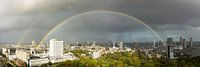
[56, 48]
[23, 55]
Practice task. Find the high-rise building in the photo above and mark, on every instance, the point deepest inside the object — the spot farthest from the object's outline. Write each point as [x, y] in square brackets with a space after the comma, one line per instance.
[160, 43]
[56, 48]
[181, 39]
[169, 41]
[170, 52]
[190, 42]
[181, 46]
[154, 44]
[184, 44]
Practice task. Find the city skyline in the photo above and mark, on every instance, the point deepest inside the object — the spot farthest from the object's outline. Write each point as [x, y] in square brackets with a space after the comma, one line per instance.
[99, 33]
[24, 21]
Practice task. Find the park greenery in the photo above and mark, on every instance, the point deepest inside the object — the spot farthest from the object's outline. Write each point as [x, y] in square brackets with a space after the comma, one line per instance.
[128, 59]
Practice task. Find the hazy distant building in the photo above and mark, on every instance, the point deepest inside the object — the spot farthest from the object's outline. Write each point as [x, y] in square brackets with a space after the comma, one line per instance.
[135, 45]
[56, 48]
[170, 41]
[33, 43]
[93, 44]
[181, 46]
[76, 45]
[160, 43]
[154, 44]
[190, 42]
[184, 44]
[121, 45]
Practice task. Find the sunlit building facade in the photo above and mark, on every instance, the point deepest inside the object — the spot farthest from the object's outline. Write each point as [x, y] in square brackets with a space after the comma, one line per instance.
[56, 48]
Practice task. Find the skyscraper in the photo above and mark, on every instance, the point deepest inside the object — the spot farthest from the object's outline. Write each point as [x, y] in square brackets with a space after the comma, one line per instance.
[184, 44]
[154, 44]
[93, 44]
[169, 41]
[181, 46]
[56, 48]
[190, 42]
[170, 52]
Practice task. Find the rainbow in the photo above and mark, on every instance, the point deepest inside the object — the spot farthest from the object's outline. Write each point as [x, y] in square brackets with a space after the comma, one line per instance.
[101, 11]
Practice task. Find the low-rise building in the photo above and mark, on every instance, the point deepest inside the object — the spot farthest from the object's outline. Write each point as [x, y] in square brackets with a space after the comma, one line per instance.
[38, 62]
[69, 56]
[96, 54]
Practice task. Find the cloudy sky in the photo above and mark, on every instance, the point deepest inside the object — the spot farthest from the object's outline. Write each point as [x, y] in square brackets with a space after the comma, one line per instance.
[27, 20]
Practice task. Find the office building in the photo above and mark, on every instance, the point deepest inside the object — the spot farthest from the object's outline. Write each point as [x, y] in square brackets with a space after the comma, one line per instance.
[154, 44]
[170, 52]
[184, 44]
[190, 42]
[23, 55]
[56, 48]
[181, 46]
[170, 41]
[9, 52]
[38, 62]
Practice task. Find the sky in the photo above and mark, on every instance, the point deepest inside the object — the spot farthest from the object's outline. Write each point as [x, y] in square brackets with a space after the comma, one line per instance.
[27, 20]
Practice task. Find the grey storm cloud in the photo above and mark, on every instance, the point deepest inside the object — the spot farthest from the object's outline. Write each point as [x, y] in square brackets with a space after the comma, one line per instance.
[39, 16]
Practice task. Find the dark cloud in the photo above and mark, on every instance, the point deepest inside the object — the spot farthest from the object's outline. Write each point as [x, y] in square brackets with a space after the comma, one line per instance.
[42, 15]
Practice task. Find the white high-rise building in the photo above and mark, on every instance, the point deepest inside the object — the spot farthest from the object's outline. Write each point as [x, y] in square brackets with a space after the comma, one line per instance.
[56, 48]
[154, 44]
